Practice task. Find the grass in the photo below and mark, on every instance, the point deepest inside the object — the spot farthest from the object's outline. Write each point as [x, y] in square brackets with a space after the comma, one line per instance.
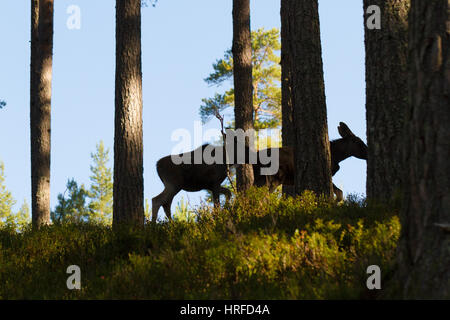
[260, 246]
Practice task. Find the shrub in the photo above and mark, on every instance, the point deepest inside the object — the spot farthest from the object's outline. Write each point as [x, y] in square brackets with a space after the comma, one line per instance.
[260, 246]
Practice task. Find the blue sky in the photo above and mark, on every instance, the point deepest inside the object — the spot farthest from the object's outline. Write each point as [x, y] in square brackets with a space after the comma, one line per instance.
[180, 41]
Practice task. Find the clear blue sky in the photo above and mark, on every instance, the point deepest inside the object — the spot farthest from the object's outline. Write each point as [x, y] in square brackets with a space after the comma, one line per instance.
[180, 41]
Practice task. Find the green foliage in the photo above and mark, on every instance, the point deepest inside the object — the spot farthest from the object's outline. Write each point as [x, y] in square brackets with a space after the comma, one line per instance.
[183, 213]
[147, 211]
[94, 205]
[266, 81]
[14, 220]
[260, 246]
[21, 219]
[101, 192]
[73, 208]
[6, 199]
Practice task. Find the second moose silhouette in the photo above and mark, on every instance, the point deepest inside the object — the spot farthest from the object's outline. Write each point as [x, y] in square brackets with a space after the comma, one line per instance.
[347, 146]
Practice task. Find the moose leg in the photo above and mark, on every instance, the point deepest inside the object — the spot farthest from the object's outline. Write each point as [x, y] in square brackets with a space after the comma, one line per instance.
[216, 196]
[227, 193]
[273, 185]
[163, 199]
[338, 192]
[216, 199]
[156, 204]
[167, 205]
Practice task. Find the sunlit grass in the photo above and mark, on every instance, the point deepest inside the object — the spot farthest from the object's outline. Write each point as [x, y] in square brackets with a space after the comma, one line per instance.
[260, 246]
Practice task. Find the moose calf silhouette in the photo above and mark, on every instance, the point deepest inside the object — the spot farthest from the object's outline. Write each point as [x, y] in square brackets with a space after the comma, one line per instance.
[340, 149]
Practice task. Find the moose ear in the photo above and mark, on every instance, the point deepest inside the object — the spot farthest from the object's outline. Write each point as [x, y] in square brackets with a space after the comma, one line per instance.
[344, 131]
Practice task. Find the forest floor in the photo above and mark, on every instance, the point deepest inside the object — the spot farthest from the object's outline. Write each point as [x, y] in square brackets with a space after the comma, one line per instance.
[260, 246]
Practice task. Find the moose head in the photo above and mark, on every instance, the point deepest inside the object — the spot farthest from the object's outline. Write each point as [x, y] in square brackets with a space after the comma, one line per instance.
[349, 145]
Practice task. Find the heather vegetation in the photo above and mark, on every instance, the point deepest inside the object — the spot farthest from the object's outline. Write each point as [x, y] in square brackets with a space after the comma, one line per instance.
[260, 246]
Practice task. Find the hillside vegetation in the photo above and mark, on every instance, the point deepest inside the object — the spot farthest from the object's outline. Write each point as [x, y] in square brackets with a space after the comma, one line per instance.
[260, 246]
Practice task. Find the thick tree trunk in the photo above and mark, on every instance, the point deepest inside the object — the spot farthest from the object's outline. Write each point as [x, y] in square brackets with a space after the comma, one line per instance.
[287, 121]
[243, 82]
[40, 108]
[312, 147]
[424, 252]
[128, 194]
[386, 96]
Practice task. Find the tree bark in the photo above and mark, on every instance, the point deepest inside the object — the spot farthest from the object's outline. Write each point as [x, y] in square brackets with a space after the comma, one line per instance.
[287, 121]
[386, 96]
[424, 251]
[243, 84]
[312, 147]
[128, 190]
[40, 108]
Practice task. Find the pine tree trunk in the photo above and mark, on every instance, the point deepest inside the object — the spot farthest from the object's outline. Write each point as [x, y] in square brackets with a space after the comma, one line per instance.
[386, 96]
[40, 108]
[424, 255]
[287, 121]
[128, 194]
[243, 83]
[312, 147]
